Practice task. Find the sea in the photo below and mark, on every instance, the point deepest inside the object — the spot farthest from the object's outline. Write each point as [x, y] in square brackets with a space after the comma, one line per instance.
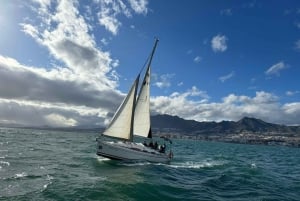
[47, 165]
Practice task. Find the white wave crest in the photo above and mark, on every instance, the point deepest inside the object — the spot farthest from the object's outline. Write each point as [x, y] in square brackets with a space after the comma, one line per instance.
[196, 165]
[253, 166]
[101, 159]
[5, 163]
[20, 175]
[49, 181]
[136, 164]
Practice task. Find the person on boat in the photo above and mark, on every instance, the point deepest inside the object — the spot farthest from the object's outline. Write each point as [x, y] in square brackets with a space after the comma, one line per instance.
[145, 144]
[155, 145]
[151, 144]
[162, 148]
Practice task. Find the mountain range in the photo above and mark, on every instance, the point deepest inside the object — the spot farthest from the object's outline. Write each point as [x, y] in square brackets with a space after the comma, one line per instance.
[174, 124]
[167, 123]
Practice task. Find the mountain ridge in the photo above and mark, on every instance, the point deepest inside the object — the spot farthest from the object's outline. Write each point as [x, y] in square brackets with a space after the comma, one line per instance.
[168, 124]
[163, 123]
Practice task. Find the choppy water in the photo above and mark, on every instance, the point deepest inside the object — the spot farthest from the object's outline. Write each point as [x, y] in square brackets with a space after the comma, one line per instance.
[56, 165]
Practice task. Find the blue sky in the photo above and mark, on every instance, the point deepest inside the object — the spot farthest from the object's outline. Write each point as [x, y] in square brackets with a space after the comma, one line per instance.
[70, 63]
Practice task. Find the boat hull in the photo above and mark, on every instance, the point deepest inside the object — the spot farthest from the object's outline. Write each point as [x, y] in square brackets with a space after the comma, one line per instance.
[130, 151]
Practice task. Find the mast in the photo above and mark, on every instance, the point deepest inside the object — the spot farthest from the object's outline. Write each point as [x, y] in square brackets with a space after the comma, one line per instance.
[151, 55]
[142, 124]
[148, 71]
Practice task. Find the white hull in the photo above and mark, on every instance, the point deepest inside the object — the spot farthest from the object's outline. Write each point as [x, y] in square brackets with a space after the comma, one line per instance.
[130, 151]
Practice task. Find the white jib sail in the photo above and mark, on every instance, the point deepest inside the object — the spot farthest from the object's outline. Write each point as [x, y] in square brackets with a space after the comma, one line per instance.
[120, 126]
[142, 109]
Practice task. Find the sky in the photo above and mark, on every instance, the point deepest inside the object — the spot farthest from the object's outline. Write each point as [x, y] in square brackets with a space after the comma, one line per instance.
[70, 63]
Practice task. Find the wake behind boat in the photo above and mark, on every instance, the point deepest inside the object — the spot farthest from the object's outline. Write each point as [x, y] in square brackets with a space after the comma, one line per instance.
[133, 119]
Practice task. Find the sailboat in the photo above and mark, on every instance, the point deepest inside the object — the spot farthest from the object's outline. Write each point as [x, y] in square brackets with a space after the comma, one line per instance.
[133, 119]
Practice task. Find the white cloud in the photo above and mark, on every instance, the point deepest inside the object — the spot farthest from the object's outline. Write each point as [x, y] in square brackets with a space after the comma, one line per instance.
[57, 120]
[110, 11]
[104, 41]
[162, 84]
[180, 84]
[219, 43]
[291, 93]
[226, 77]
[30, 30]
[43, 3]
[163, 81]
[180, 104]
[233, 107]
[107, 17]
[29, 113]
[226, 12]
[139, 6]
[276, 68]
[197, 59]
[69, 41]
[61, 88]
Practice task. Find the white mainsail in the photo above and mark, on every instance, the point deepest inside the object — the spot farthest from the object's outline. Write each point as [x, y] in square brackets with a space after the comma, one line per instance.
[122, 122]
[142, 109]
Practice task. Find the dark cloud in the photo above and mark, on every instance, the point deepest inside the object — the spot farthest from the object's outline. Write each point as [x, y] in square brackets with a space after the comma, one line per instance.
[12, 112]
[79, 56]
[27, 85]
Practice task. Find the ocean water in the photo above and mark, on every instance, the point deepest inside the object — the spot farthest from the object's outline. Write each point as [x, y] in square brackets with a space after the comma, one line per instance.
[59, 165]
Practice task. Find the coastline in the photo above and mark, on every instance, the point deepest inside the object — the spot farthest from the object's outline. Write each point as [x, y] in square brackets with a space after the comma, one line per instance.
[261, 138]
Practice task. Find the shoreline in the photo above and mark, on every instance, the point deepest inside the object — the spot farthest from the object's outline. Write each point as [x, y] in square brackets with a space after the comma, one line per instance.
[289, 140]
